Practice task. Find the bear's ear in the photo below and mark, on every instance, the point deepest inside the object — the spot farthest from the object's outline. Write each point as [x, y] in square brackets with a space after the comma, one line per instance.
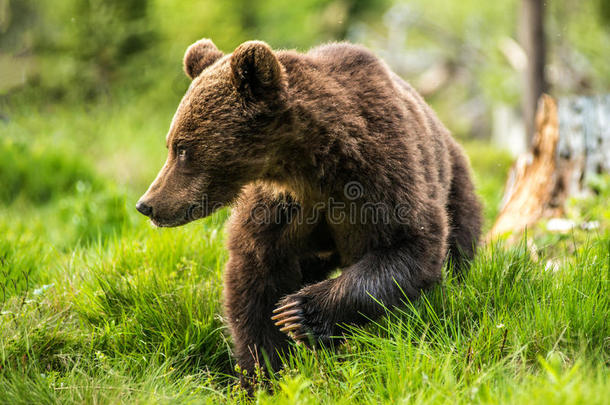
[199, 56]
[256, 70]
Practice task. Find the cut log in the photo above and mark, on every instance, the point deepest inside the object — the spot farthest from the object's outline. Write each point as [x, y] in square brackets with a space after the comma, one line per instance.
[570, 144]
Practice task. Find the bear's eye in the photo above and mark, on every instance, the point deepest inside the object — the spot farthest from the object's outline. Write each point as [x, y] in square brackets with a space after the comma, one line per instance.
[181, 152]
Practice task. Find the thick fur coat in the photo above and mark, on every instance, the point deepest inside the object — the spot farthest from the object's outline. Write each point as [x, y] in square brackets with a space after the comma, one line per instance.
[331, 161]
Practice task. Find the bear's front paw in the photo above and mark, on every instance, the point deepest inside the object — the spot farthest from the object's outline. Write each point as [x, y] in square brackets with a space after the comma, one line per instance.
[289, 318]
[296, 316]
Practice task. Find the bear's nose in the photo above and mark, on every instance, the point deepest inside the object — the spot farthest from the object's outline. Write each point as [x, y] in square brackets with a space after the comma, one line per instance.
[144, 208]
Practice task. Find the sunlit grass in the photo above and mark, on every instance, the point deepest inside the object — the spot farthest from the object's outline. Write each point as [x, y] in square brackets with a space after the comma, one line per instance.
[138, 318]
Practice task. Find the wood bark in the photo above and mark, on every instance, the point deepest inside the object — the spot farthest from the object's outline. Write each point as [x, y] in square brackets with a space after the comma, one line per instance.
[531, 190]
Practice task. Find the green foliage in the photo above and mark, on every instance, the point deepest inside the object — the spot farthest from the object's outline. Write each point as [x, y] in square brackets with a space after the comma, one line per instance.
[592, 207]
[16, 17]
[93, 215]
[604, 11]
[299, 24]
[21, 259]
[82, 49]
[490, 168]
[96, 40]
[578, 32]
[39, 174]
[161, 298]
[34, 176]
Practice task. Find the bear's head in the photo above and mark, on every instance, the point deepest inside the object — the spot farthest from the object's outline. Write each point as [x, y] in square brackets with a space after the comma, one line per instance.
[223, 134]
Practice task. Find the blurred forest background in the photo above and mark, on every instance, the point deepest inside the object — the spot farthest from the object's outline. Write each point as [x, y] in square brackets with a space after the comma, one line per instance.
[464, 57]
[101, 79]
[96, 306]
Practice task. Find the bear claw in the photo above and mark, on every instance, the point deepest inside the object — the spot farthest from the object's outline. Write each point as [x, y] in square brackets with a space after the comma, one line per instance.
[300, 337]
[284, 307]
[289, 318]
[288, 321]
[285, 314]
[291, 327]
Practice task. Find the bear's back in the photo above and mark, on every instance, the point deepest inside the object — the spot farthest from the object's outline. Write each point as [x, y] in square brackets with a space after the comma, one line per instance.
[343, 57]
[370, 111]
[350, 66]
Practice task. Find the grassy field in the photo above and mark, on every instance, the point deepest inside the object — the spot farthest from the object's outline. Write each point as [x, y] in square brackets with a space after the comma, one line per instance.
[99, 307]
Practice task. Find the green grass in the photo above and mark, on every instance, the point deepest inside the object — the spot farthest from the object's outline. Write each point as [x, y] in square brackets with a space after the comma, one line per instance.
[96, 306]
[138, 319]
[490, 167]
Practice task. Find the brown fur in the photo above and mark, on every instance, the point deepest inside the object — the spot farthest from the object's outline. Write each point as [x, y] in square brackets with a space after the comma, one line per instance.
[288, 132]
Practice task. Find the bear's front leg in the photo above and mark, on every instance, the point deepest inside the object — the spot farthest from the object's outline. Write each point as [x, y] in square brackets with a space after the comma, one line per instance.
[263, 266]
[253, 285]
[388, 276]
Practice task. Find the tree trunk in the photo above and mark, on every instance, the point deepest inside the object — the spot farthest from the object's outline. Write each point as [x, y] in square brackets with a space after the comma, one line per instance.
[533, 42]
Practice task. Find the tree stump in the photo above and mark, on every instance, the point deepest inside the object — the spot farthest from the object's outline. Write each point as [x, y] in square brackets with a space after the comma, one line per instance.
[571, 143]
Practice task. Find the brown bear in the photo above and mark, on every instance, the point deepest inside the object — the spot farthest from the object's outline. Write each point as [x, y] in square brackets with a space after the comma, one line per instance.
[331, 161]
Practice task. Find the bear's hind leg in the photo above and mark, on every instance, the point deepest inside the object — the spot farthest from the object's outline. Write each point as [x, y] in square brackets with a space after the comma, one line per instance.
[464, 211]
